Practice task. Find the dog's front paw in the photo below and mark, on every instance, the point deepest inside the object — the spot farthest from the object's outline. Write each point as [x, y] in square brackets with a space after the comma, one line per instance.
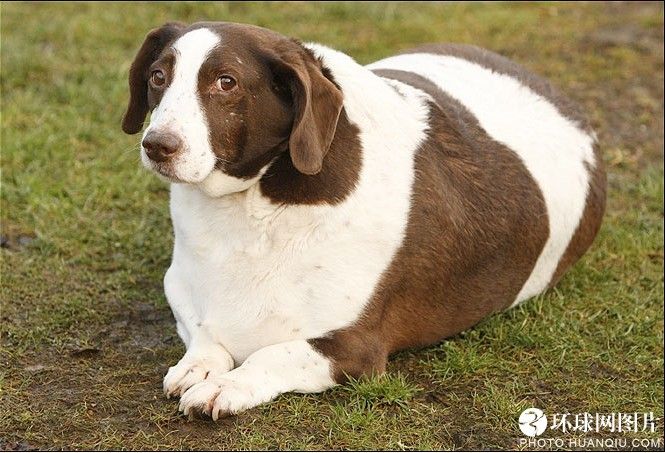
[191, 371]
[224, 396]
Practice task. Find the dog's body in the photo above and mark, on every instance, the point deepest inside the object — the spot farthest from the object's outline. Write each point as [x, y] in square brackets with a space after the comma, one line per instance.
[434, 188]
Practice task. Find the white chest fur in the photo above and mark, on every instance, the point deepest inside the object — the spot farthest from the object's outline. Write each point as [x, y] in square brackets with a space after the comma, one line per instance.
[249, 274]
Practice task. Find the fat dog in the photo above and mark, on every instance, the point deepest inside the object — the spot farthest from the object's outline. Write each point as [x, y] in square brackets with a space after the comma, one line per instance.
[327, 214]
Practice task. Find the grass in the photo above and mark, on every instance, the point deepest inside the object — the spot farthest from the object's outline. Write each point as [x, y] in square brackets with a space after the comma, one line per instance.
[85, 331]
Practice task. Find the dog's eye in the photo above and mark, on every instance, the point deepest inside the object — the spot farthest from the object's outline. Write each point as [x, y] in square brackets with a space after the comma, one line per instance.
[157, 78]
[226, 83]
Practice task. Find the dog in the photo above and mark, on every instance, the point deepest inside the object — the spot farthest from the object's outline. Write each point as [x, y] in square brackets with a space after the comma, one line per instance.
[328, 214]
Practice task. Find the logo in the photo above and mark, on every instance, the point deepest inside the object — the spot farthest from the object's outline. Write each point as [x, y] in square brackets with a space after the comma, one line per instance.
[533, 422]
[644, 426]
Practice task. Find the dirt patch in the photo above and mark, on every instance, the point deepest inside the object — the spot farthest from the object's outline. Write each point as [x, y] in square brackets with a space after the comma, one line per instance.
[16, 446]
[15, 241]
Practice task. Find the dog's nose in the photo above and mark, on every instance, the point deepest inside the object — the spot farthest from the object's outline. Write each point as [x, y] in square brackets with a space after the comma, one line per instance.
[160, 146]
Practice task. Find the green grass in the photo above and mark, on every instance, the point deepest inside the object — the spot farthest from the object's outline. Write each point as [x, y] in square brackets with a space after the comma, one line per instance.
[86, 334]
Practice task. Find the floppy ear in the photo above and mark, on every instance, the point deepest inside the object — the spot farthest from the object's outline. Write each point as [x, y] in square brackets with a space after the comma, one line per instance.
[154, 43]
[317, 103]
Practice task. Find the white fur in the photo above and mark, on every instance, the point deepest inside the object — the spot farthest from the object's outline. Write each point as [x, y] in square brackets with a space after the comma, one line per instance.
[179, 111]
[251, 277]
[205, 359]
[552, 147]
[292, 366]
[218, 183]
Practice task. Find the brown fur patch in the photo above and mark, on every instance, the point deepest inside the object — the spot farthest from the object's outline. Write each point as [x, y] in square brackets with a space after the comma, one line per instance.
[283, 183]
[477, 225]
[595, 202]
[283, 103]
[250, 125]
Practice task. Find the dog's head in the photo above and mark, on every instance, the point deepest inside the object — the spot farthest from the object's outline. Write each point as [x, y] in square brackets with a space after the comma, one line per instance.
[226, 99]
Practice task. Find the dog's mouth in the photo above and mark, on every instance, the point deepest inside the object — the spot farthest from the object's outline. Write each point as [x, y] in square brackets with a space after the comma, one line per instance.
[166, 172]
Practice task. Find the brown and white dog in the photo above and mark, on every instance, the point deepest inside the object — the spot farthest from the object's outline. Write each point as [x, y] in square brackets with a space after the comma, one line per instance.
[328, 214]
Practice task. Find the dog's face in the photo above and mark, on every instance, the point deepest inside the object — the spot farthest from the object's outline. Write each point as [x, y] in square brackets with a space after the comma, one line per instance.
[226, 99]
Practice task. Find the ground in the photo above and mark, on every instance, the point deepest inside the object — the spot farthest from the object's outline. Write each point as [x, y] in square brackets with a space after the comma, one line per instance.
[86, 334]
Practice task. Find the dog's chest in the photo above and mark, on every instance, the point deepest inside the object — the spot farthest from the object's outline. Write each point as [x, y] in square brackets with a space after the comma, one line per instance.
[254, 281]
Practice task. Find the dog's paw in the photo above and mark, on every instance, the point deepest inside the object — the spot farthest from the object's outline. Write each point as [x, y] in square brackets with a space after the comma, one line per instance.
[223, 396]
[191, 371]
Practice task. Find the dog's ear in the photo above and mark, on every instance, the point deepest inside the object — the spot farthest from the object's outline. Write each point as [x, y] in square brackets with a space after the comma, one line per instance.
[154, 43]
[317, 103]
